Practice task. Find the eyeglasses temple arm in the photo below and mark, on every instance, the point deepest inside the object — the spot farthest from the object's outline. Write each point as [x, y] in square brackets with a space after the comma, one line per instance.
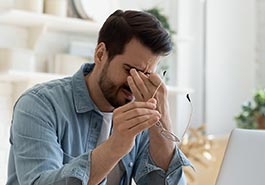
[164, 73]
[191, 111]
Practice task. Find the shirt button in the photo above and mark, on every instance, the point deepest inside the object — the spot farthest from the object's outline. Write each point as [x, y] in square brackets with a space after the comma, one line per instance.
[130, 164]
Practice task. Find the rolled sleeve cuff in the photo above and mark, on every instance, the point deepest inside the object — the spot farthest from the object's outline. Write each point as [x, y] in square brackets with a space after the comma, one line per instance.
[178, 160]
[147, 165]
[79, 168]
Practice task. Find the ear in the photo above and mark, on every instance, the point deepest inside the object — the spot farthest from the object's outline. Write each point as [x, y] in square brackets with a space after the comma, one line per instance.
[100, 52]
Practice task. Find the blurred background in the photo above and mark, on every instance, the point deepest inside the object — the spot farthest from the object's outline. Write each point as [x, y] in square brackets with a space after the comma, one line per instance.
[218, 58]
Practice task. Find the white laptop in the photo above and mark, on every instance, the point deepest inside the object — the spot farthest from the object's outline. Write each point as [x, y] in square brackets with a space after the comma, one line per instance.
[244, 159]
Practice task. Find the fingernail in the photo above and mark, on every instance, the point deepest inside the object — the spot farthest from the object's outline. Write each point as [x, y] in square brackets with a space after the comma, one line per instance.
[158, 118]
[129, 78]
[134, 72]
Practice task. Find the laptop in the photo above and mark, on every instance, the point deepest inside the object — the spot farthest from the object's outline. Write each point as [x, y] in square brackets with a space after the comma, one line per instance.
[244, 159]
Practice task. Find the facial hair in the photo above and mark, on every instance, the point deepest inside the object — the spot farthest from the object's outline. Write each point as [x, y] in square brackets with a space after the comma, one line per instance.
[110, 90]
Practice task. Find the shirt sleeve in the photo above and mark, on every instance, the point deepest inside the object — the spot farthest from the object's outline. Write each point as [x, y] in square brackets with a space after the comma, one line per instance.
[37, 155]
[147, 172]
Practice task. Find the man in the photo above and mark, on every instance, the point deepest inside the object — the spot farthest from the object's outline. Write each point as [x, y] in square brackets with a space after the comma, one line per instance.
[98, 127]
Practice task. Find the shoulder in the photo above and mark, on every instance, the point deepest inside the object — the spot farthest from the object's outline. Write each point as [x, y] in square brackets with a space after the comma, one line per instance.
[45, 94]
[58, 85]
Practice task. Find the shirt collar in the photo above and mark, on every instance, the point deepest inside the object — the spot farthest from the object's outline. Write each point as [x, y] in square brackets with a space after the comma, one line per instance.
[82, 100]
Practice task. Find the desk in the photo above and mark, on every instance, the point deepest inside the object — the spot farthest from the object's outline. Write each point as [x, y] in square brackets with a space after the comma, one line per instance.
[207, 164]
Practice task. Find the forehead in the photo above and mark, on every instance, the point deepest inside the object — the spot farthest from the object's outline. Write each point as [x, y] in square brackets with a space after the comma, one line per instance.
[139, 56]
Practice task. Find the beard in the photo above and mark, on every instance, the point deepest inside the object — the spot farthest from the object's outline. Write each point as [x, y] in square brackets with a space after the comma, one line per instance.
[110, 90]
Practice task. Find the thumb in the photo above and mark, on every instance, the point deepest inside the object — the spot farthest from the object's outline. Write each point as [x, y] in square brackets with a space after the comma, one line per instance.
[152, 100]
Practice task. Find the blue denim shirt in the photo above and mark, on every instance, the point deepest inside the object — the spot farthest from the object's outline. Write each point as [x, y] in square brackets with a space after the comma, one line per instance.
[55, 127]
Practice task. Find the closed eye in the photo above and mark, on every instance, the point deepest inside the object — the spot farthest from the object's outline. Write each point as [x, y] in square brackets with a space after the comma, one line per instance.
[127, 69]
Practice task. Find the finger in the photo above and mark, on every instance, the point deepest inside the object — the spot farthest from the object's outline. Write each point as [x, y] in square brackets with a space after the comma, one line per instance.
[155, 79]
[132, 114]
[144, 125]
[158, 82]
[145, 78]
[133, 105]
[137, 94]
[153, 83]
[150, 86]
[135, 128]
[138, 120]
[141, 86]
[152, 100]
[122, 123]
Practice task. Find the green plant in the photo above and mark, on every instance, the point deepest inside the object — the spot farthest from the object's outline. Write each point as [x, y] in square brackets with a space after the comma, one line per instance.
[252, 111]
[157, 12]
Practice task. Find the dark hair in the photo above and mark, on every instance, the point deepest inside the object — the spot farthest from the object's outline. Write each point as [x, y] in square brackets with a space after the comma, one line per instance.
[121, 26]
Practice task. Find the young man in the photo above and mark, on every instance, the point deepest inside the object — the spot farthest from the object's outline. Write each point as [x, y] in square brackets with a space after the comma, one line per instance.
[98, 127]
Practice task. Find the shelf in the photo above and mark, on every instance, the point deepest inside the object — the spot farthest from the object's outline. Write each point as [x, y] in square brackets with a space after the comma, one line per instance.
[38, 24]
[18, 76]
[30, 19]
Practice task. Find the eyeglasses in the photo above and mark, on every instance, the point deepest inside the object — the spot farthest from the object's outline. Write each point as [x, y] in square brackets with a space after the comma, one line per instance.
[164, 132]
[171, 136]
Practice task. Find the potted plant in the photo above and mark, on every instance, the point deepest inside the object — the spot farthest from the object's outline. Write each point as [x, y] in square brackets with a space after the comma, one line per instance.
[252, 115]
[162, 18]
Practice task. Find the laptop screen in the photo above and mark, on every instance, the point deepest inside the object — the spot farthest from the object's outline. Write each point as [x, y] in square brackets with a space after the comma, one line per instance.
[244, 159]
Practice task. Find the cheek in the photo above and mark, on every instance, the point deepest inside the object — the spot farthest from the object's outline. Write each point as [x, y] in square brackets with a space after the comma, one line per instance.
[121, 77]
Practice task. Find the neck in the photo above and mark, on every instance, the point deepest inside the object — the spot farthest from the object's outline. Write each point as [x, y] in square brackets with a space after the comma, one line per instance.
[96, 93]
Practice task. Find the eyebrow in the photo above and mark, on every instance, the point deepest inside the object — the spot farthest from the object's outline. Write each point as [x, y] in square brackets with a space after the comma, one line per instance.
[137, 69]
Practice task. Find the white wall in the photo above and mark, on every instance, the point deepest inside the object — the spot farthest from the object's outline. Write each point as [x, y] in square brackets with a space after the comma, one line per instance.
[5, 115]
[230, 60]
[190, 59]
[260, 75]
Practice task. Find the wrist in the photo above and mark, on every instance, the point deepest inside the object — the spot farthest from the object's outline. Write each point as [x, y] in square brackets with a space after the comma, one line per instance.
[161, 149]
[162, 135]
[114, 151]
[118, 148]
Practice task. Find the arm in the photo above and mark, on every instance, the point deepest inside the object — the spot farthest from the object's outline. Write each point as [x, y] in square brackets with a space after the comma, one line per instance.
[128, 121]
[143, 87]
[147, 172]
[37, 155]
